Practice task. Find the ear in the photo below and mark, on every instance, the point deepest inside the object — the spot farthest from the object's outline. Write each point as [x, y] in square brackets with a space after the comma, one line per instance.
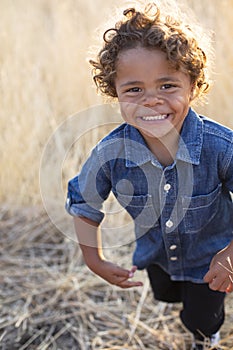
[192, 92]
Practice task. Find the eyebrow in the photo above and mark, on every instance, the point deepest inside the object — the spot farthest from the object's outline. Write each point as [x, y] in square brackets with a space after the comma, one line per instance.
[169, 78]
[161, 80]
[134, 82]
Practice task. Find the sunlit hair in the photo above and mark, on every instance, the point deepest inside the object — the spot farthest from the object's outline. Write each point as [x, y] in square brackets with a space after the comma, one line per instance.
[149, 30]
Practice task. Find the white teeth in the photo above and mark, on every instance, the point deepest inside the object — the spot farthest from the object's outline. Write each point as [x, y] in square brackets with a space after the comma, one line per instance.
[155, 117]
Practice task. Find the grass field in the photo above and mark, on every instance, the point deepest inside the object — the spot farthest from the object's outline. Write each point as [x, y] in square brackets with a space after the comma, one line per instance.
[49, 299]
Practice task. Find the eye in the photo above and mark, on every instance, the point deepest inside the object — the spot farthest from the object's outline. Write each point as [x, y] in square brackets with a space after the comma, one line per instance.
[134, 89]
[167, 86]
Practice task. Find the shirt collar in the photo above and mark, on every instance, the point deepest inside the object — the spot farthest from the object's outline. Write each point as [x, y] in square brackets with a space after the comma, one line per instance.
[191, 139]
[190, 144]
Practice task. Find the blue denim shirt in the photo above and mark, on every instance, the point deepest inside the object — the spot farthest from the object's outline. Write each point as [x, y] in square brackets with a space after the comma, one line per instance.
[183, 213]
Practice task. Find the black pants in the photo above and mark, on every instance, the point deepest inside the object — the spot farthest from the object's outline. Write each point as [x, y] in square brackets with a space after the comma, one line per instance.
[203, 308]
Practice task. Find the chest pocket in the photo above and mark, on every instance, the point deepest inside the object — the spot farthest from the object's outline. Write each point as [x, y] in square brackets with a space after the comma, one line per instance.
[140, 208]
[198, 211]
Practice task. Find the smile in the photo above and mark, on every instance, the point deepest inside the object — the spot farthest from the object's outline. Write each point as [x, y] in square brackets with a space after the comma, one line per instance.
[155, 117]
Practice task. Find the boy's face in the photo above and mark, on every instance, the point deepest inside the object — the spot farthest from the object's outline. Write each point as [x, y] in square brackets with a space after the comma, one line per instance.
[153, 96]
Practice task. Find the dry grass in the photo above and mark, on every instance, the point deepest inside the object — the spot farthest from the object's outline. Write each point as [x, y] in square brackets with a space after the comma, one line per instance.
[50, 300]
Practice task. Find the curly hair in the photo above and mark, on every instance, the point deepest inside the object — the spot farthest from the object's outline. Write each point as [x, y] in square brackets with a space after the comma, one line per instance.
[148, 30]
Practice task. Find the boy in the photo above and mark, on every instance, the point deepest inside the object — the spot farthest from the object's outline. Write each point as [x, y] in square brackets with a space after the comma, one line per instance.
[171, 169]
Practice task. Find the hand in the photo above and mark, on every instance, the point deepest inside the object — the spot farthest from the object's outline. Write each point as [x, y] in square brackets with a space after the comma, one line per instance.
[220, 274]
[115, 274]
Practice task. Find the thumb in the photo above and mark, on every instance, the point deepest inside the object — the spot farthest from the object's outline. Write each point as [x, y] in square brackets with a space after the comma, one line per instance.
[131, 272]
[121, 272]
[209, 276]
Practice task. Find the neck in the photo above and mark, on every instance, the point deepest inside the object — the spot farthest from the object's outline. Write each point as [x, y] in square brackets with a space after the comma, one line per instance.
[164, 148]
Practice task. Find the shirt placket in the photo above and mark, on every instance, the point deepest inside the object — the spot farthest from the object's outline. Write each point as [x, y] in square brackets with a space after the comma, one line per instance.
[169, 220]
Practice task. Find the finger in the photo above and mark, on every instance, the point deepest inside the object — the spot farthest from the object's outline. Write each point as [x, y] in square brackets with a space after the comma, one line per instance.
[216, 276]
[119, 280]
[229, 288]
[216, 283]
[209, 276]
[120, 272]
[223, 288]
[129, 284]
[220, 283]
[134, 268]
[132, 271]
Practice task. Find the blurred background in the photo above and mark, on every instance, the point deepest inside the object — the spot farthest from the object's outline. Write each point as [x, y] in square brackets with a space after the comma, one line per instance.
[45, 78]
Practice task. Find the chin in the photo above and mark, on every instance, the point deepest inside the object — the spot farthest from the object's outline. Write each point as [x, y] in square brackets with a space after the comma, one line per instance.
[158, 134]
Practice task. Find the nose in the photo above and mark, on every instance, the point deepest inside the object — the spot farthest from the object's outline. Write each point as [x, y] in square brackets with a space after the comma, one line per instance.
[151, 98]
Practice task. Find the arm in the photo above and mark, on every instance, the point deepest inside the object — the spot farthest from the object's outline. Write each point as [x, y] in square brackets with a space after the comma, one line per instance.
[90, 243]
[220, 274]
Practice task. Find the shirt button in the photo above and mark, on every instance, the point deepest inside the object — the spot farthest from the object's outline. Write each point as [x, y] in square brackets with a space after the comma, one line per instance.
[167, 187]
[169, 224]
[173, 247]
[173, 258]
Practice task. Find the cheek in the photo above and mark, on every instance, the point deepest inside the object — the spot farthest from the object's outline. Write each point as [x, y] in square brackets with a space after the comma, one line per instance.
[128, 110]
[181, 102]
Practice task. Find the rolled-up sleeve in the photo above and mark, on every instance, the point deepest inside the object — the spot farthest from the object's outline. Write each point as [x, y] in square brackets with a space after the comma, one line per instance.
[228, 178]
[88, 190]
